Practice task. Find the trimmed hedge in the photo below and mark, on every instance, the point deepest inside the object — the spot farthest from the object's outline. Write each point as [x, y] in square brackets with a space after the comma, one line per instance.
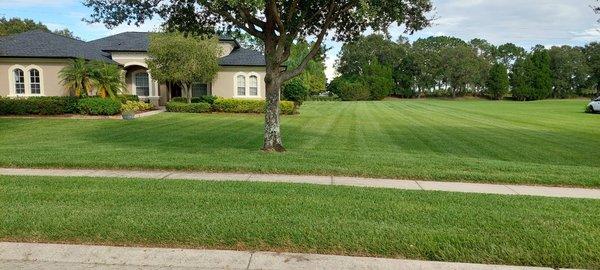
[227, 105]
[231, 105]
[175, 106]
[99, 106]
[38, 105]
[203, 99]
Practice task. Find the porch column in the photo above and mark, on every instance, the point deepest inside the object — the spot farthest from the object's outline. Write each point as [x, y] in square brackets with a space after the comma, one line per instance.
[154, 96]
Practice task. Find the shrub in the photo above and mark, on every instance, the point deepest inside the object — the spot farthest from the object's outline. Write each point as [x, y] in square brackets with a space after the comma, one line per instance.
[349, 88]
[230, 105]
[99, 106]
[125, 98]
[38, 105]
[295, 91]
[202, 99]
[175, 106]
[136, 106]
[179, 99]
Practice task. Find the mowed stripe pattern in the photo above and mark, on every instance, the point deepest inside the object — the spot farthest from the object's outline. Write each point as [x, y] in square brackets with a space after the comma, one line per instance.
[547, 142]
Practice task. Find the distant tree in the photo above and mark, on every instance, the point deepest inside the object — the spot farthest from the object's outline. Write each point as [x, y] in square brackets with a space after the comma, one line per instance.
[531, 77]
[509, 53]
[542, 78]
[279, 24]
[313, 77]
[521, 79]
[460, 67]
[355, 56]
[245, 40]
[66, 32]
[592, 56]
[183, 60]
[17, 25]
[497, 83]
[379, 80]
[570, 71]
[484, 49]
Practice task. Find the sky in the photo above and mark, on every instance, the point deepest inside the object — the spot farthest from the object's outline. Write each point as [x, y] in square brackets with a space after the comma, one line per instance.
[523, 22]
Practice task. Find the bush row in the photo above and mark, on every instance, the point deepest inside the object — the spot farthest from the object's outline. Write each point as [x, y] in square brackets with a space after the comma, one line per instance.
[228, 105]
[63, 105]
[38, 105]
[176, 106]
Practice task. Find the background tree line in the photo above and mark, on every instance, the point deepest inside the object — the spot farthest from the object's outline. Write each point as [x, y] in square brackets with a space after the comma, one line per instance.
[17, 25]
[374, 67]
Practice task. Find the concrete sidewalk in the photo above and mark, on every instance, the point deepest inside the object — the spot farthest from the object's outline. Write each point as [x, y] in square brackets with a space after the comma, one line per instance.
[58, 256]
[321, 180]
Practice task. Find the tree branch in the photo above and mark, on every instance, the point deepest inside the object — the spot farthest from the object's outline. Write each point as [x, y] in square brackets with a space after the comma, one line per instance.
[316, 46]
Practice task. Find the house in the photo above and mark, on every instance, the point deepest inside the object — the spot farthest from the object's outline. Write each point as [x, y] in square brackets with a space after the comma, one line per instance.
[30, 63]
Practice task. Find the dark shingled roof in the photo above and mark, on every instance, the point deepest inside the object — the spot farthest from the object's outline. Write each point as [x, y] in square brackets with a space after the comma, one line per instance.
[41, 44]
[243, 57]
[124, 42]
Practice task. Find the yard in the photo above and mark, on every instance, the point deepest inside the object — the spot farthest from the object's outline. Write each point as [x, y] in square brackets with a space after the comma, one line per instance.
[546, 142]
[440, 226]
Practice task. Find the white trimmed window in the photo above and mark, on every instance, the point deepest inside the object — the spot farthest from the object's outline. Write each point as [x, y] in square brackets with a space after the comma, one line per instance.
[142, 84]
[247, 85]
[253, 85]
[19, 79]
[35, 82]
[241, 85]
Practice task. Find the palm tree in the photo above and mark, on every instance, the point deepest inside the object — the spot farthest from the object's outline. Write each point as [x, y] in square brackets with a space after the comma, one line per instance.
[75, 77]
[107, 79]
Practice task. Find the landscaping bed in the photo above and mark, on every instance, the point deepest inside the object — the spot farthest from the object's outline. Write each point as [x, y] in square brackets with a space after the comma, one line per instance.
[72, 105]
[441, 226]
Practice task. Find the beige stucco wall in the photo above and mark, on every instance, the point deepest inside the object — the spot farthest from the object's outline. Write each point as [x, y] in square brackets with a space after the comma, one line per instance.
[224, 85]
[49, 69]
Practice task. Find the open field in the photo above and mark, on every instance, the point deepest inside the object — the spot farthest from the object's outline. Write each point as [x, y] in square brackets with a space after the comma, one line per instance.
[547, 142]
[302, 218]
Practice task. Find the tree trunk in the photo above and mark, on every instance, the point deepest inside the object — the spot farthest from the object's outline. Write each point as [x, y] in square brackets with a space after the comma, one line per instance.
[188, 92]
[272, 138]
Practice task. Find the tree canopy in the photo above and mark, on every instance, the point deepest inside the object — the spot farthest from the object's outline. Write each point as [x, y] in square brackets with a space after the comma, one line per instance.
[450, 67]
[17, 25]
[183, 60]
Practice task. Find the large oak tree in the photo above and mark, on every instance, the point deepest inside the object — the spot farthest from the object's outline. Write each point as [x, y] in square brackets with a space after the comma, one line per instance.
[278, 23]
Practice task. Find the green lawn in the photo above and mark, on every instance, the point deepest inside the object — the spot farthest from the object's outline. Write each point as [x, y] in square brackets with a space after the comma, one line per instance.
[303, 218]
[547, 142]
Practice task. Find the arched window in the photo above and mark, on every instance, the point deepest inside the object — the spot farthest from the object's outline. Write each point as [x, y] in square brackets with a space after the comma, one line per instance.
[19, 77]
[35, 83]
[241, 85]
[142, 84]
[253, 85]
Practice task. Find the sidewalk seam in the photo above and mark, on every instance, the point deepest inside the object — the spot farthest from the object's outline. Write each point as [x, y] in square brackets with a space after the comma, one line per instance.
[507, 186]
[417, 182]
[250, 260]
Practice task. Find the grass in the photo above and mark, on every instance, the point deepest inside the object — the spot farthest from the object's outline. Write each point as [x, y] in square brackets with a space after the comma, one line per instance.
[547, 142]
[303, 218]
